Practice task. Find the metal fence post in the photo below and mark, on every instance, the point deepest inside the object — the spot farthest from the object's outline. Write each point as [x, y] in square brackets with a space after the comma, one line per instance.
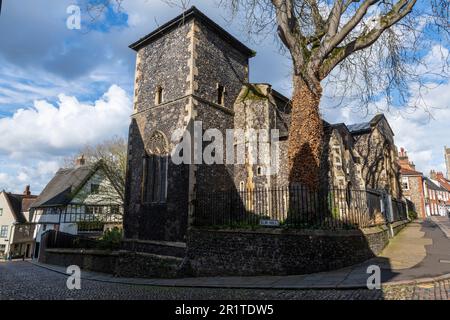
[407, 209]
[390, 213]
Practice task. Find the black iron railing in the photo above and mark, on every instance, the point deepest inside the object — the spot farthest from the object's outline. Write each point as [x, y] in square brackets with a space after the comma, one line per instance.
[293, 206]
[399, 211]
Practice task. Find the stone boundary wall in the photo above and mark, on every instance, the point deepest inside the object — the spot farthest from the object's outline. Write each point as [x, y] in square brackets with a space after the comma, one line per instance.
[173, 249]
[282, 252]
[119, 263]
[92, 260]
[231, 253]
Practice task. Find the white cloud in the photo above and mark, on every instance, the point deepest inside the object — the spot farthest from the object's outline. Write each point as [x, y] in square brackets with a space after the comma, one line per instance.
[69, 125]
[35, 140]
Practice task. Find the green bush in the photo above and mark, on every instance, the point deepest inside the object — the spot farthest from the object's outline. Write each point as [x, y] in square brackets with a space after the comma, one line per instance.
[412, 215]
[111, 239]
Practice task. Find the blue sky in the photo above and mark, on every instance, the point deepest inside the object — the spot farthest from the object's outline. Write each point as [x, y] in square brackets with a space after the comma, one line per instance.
[61, 89]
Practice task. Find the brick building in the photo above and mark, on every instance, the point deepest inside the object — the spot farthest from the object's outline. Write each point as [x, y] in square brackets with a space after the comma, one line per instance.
[439, 179]
[435, 198]
[412, 183]
[16, 227]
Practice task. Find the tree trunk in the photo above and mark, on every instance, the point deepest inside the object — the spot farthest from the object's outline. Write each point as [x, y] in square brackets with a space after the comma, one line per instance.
[305, 136]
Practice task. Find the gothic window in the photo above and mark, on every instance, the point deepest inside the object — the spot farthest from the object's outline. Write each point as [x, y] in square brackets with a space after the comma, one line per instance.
[259, 171]
[155, 165]
[159, 95]
[220, 94]
[156, 179]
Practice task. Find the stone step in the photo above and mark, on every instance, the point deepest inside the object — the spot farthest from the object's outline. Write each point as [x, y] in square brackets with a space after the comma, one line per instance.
[164, 248]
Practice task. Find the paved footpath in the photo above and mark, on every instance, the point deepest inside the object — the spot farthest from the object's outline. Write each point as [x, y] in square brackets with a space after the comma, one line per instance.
[25, 281]
[443, 223]
[414, 266]
[419, 251]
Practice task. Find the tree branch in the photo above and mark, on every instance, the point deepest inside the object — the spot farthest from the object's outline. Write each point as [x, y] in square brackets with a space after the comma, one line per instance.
[398, 12]
[289, 32]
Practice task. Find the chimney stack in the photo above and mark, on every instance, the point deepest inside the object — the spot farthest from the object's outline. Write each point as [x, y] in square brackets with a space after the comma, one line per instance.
[433, 174]
[27, 191]
[81, 161]
[402, 154]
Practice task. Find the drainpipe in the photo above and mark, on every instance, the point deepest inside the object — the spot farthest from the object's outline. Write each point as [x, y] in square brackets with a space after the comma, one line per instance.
[407, 209]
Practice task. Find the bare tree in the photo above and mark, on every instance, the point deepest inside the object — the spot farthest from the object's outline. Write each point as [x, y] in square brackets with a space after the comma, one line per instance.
[358, 47]
[112, 154]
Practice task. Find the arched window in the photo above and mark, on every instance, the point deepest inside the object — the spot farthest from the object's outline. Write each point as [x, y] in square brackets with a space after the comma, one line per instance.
[220, 94]
[155, 167]
[259, 171]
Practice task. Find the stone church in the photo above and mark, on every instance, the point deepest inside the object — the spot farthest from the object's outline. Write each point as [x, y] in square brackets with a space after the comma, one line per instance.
[189, 70]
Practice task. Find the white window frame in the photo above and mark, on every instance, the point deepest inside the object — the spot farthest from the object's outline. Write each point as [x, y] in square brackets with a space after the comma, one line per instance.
[405, 180]
[2, 229]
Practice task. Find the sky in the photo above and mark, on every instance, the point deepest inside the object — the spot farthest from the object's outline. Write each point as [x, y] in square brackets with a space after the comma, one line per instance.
[61, 89]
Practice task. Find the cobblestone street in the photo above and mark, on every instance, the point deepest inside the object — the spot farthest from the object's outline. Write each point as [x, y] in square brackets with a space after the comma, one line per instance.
[22, 280]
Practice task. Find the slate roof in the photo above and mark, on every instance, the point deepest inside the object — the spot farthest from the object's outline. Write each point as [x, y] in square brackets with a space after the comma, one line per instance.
[59, 191]
[366, 127]
[433, 184]
[359, 127]
[19, 204]
[186, 16]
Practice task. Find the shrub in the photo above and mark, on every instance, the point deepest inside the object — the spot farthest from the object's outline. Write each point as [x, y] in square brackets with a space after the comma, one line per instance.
[111, 239]
[412, 215]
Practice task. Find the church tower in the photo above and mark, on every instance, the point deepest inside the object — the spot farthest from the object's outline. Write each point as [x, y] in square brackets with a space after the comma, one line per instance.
[188, 70]
[447, 160]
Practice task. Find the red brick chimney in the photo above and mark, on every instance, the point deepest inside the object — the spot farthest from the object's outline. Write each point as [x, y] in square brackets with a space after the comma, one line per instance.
[403, 160]
[27, 191]
[440, 175]
[81, 161]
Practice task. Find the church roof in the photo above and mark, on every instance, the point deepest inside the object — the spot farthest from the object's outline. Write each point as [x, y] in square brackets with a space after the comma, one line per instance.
[366, 127]
[359, 127]
[186, 16]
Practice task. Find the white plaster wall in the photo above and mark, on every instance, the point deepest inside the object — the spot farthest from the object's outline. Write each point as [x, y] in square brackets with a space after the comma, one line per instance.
[6, 219]
[107, 193]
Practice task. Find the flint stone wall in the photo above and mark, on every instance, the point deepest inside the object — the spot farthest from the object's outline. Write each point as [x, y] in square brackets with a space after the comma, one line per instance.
[278, 252]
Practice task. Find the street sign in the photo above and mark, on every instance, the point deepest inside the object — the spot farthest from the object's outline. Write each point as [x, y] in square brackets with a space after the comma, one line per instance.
[269, 223]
